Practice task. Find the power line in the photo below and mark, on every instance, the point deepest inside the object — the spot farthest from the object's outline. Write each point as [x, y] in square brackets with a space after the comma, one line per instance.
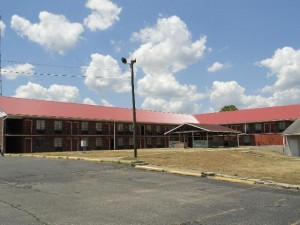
[63, 75]
[57, 66]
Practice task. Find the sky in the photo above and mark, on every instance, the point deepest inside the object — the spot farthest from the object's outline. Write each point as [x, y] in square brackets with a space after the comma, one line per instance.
[192, 56]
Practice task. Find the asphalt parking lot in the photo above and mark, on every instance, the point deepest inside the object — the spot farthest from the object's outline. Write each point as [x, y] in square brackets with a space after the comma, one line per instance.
[38, 191]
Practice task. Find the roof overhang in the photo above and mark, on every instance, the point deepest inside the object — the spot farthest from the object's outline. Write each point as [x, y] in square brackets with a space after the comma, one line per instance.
[196, 128]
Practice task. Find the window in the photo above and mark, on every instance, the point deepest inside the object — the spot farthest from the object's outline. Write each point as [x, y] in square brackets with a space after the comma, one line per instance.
[120, 141]
[269, 127]
[40, 125]
[246, 139]
[85, 126]
[40, 142]
[281, 126]
[98, 126]
[131, 141]
[120, 127]
[148, 127]
[57, 142]
[149, 141]
[246, 128]
[158, 141]
[258, 127]
[98, 142]
[234, 127]
[131, 127]
[57, 125]
[158, 129]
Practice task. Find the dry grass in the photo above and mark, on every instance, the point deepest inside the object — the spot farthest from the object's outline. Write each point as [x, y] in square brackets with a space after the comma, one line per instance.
[260, 164]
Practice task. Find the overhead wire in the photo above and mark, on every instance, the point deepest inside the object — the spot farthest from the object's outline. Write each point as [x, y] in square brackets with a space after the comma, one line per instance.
[58, 66]
[61, 75]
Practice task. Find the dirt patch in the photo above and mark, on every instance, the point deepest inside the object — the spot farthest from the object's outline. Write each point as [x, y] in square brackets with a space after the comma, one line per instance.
[258, 164]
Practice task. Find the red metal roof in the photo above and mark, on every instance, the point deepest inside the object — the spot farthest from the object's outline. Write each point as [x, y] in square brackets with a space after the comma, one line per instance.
[41, 108]
[276, 113]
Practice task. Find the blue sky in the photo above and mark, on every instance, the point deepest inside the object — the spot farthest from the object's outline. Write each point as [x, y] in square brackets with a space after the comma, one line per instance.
[192, 56]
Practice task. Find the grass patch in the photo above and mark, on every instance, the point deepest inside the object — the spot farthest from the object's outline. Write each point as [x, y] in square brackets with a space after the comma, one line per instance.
[244, 162]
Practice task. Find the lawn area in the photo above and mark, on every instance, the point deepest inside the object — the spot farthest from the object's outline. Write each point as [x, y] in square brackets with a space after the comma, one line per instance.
[242, 162]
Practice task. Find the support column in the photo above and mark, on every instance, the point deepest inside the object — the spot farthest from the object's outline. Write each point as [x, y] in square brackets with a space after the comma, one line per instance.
[114, 135]
[207, 138]
[192, 139]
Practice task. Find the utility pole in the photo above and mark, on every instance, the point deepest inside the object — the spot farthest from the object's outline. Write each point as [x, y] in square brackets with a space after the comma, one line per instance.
[133, 103]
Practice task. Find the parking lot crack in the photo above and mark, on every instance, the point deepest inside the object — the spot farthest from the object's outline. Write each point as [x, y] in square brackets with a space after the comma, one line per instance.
[24, 211]
[28, 187]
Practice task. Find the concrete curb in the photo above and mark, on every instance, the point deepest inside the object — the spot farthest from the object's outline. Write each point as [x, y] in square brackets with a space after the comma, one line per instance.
[150, 168]
[145, 166]
[222, 177]
[252, 181]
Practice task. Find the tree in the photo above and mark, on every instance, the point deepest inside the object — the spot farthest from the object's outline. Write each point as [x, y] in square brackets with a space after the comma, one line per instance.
[229, 108]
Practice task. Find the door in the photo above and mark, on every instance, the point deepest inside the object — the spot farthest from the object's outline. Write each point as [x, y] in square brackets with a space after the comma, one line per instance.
[28, 145]
[68, 144]
[68, 127]
[75, 144]
[142, 130]
[112, 144]
[142, 143]
[75, 128]
[28, 126]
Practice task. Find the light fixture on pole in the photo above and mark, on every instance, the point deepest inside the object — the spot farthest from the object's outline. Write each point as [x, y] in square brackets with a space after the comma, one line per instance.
[133, 103]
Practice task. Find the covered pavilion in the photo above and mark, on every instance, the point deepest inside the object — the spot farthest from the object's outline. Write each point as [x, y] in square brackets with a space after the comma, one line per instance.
[194, 135]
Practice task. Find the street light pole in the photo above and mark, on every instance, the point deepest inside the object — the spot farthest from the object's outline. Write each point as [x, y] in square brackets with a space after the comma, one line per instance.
[133, 103]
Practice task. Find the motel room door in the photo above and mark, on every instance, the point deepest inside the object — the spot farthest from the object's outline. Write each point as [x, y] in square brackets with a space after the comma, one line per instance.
[68, 144]
[28, 126]
[72, 144]
[27, 145]
[75, 144]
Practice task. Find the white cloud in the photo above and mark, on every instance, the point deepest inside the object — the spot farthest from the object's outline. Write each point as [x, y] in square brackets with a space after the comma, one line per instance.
[104, 102]
[104, 14]
[104, 74]
[167, 48]
[231, 93]
[14, 71]
[285, 64]
[215, 67]
[171, 105]
[88, 101]
[55, 92]
[163, 92]
[165, 85]
[54, 32]
[2, 27]
[284, 97]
